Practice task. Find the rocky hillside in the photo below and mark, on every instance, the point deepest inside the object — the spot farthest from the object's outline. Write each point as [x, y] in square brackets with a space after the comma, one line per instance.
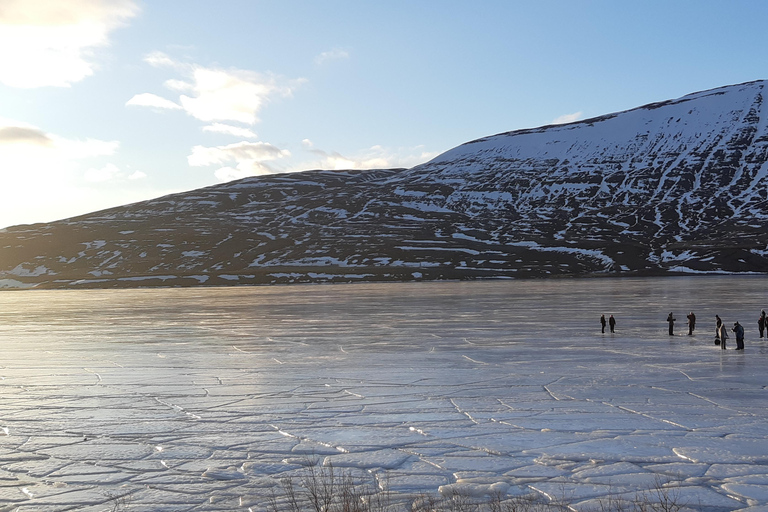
[676, 186]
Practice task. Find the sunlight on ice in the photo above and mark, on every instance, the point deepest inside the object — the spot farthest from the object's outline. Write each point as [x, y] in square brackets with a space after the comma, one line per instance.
[474, 388]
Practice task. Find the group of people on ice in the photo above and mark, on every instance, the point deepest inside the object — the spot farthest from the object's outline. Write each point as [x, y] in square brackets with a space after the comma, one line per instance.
[611, 322]
[721, 332]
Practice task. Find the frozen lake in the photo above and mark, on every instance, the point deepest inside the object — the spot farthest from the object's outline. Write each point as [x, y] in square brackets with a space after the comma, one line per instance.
[201, 399]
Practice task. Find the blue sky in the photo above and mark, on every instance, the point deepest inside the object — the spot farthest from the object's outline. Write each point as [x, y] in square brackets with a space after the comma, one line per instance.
[107, 102]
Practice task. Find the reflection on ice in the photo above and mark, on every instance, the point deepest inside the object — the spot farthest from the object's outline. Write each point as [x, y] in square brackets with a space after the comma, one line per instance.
[205, 398]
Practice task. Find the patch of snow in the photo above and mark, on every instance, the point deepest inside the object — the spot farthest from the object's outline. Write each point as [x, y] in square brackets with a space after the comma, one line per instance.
[462, 236]
[14, 284]
[315, 275]
[588, 253]
[147, 278]
[449, 249]
[96, 244]
[292, 275]
[20, 271]
[425, 207]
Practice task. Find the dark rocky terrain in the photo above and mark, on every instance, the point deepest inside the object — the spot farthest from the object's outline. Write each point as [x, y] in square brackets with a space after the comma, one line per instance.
[674, 187]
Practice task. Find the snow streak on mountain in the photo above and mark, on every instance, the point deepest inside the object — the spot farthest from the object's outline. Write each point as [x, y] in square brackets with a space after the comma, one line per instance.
[676, 186]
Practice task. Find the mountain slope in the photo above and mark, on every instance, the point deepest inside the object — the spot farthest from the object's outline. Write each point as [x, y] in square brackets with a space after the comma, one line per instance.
[668, 187]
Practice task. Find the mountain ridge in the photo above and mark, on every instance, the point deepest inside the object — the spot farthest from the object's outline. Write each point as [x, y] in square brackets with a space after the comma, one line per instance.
[678, 186]
[648, 106]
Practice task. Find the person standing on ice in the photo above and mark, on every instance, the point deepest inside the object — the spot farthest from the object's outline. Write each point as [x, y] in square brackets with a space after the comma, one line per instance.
[717, 329]
[691, 323]
[671, 321]
[761, 323]
[612, 323]
[602, 322]
[723, 335]
[739, 330]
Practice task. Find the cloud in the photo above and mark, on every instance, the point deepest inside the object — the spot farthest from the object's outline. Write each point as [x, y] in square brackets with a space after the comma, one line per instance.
[212, 94]
[178, 85]
[106, 173]
[230, 95]
[376, 157]
[51, 42]
[243, 170]
[330, 56]
[24, 135]
[26, 150]
[568, 118]
[227, 129]
[159, 60]
[260, 151]
[245, 159]
[248, 157]
[23, 146]
[42, 176]
[110, 172]
[152, 100]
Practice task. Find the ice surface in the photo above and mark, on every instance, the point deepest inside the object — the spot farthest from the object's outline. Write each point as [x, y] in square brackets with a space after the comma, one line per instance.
[203, 399]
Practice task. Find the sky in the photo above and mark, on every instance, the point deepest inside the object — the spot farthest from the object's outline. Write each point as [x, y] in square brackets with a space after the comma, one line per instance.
[109, 102]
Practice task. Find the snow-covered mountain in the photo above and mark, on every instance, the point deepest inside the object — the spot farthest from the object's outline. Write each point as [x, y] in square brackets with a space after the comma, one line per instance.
[676, 186]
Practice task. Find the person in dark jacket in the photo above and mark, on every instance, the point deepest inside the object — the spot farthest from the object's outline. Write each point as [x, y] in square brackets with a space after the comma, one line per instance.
[691, 323]
[717, 329]
[723, 335]
[671, 321]
[761, 323]
[739, 330]
[612, 323]
[602, 322]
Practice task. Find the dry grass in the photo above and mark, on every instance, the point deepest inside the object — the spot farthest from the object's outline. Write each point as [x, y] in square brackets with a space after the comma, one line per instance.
[327, 489]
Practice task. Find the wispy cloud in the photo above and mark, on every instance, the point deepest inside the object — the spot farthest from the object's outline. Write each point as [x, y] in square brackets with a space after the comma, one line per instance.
[330, 56]
[375, 157]
[160, 59]
[51, 42]
[147, 99]
[568, 118]
[225, 98]
[228, 129]
[212, 94]
[248, 158]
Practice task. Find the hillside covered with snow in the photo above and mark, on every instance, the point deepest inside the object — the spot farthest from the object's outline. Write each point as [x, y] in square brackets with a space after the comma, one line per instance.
[676, 186]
